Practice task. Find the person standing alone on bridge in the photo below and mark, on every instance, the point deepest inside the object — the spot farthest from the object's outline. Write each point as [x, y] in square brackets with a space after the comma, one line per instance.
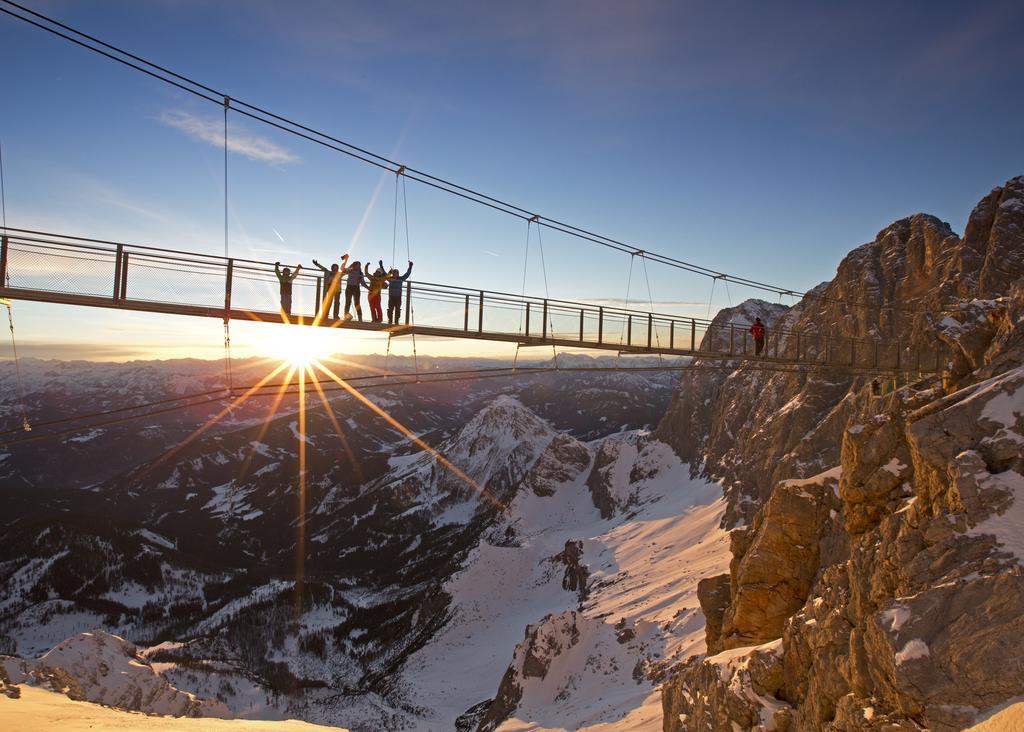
[332, 287]
[354, 282]
[378, 281]
[395, 294]
[757, 332]
[285, 279]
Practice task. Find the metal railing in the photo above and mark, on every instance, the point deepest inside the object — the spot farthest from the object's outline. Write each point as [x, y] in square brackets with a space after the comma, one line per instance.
[74, 270]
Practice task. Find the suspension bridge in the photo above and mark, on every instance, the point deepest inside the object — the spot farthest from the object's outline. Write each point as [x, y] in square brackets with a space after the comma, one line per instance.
[42, 267]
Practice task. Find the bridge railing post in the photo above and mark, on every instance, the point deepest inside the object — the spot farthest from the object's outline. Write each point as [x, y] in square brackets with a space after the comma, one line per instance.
[480, 317]
[693, 335]
[650, 328]
[227, 288]
[408, 302]
[581, 325]
[629, 330]
[527, 333]
[671, 335]
[600, 325]
[321, 306]
[544, 321]
[124, 276]
[465, 315]
[117, 271]
[3, 261]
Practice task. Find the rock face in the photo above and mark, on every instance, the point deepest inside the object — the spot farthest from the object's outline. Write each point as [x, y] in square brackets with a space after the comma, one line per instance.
[774, 566]
[104, 669]
[890, 586]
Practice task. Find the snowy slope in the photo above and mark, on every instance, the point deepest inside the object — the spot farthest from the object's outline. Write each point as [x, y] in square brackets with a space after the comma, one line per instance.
[642, 609]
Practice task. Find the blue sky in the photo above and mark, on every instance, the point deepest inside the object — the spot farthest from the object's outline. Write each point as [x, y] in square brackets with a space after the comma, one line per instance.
[762, 139]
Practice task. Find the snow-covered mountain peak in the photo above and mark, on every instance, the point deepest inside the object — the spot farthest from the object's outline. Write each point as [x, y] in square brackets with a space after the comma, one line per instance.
[507, 419]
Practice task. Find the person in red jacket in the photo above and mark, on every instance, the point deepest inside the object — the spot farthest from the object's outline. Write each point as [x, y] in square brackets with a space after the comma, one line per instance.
[757, 333]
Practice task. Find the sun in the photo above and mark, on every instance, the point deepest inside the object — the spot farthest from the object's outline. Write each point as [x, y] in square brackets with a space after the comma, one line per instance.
[300, 346]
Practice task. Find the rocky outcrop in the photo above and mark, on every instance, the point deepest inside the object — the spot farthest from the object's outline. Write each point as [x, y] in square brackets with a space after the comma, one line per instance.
[612, 463]
[772, 572]
[544, 641]
[714, 596]
[576, 572]
[104, 669]
[894, 592]
[730, 688]
[564, 459]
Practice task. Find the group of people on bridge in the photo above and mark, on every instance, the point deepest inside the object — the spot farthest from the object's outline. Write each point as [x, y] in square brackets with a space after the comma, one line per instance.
[357, 277]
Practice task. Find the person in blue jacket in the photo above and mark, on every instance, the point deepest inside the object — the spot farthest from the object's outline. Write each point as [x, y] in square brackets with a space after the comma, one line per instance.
[395, 283]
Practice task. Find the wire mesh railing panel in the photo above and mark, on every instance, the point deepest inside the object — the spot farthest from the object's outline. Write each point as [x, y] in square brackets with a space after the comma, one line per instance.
[58, 270]
[250, 291]
[154, 280]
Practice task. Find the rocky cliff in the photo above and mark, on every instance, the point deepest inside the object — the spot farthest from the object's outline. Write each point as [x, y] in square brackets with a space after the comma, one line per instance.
[876, 579]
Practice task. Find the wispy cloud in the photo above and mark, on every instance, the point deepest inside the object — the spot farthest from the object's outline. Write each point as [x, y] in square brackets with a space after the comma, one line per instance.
[211, 131]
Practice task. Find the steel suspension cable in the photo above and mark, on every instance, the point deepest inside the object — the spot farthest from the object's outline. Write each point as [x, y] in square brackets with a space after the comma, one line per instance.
[408, 254]
[25, 426]
[650, 299]
[227, 316]
[547, 294]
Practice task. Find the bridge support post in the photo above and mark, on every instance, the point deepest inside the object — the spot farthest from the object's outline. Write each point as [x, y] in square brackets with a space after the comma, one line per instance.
[650, 328]
[581, 325]
[465, 315]
[408, 302]
[693, 335]
[629, 330]
[671, 335]
[544, 321]
[3, 261]
[227, 289]
[117, 271]
[124, 276]
[600, 325]
[480, 317]
[527, 334]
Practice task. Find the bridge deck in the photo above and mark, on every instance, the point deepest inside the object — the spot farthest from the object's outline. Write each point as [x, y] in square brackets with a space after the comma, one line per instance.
[93, 273]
